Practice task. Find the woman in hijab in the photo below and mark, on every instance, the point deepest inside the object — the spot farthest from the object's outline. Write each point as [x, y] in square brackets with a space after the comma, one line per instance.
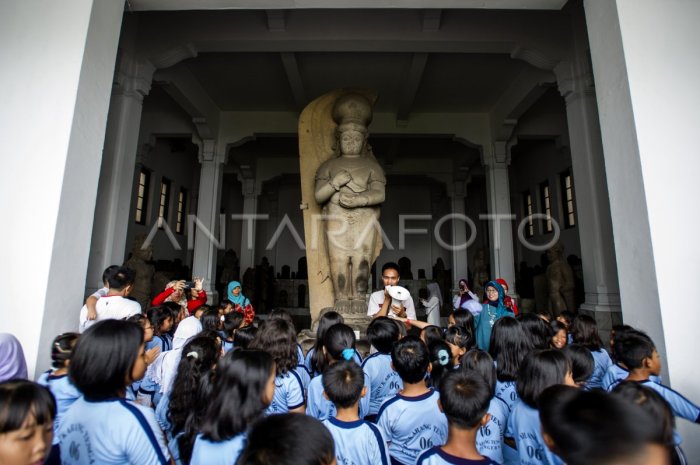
[12, 362]
[241, 304]
[466, 299]
[431, 299]
[508, 301]
[492, 310]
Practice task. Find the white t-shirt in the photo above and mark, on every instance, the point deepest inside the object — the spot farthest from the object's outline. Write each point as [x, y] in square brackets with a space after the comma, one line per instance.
[377, 299]
[114, 307]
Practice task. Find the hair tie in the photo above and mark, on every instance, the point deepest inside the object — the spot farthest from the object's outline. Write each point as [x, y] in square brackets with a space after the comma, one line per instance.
[348, 353]
[443, 357]
[193, 354]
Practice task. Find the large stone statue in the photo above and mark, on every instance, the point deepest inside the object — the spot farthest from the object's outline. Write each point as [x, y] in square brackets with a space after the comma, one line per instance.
[341, 214]
[138, 261]
[560, 278]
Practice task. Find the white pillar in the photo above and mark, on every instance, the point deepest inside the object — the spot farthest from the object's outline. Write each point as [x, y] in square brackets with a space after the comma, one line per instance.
[648, 97]
[250, 218]
[496, 160]
[593, 208]
[208, 238]
[457, 192]
[115, 188]
[59, 64]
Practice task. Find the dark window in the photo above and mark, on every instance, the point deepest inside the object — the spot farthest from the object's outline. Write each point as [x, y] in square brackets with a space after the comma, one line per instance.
[164, 201]
[142, 196]
[181, 211]
[567, 194]
[545, 198]
[527, 213]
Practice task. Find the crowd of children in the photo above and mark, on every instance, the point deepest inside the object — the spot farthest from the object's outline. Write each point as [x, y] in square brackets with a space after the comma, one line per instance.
[214, 385]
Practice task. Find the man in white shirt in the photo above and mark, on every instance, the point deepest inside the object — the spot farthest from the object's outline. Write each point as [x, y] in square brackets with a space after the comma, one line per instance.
[114, 305]
[380, 301]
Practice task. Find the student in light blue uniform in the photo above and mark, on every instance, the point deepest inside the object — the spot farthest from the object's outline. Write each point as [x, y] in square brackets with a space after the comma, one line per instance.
[315, 363]
[581, 361]
[509, 345]
[26, 419]
[338, 345]
[288, 439]
[103, 427]
[384, 381]
[231, 325]
[595, 427]
[243, 388]
[60, 385]
[489, 437]
[637, 352]
[538, 371]
[412, 422]
[162, 321]
[585, 332]
[151, 354]
[276, 337]
[187, 402]
[356, 441]
[465, 400]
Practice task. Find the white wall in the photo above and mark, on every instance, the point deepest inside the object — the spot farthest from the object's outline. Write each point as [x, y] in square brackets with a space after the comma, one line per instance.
[59, 61]
[648, 97]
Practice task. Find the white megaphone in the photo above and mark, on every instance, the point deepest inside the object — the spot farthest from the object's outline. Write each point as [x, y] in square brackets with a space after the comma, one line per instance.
[398, 295]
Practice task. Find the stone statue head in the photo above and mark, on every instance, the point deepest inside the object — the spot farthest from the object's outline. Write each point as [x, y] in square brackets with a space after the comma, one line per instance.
[353, 113]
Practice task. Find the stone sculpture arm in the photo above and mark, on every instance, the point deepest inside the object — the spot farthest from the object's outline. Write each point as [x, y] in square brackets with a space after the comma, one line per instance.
[326, 187]
[373, 196]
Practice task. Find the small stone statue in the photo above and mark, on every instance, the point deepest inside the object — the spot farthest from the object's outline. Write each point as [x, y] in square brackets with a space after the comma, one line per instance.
[143, 284]
[560, 278]
[480, 272]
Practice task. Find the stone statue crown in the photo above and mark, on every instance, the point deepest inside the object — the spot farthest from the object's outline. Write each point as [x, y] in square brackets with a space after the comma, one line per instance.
[352, 111]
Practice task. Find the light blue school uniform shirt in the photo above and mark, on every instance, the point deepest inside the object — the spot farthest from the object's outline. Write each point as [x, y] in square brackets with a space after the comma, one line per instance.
[65, 393]
[437, 456]
[319, 407]
[300, 355]
[508, 393]
[309, 357]
[304, 376]
[384, 382]
[601, 363]
[206, 452]
[524, 426]
[226, 345]
[357, 442]
[489, 438]
[289, 394]
[616, 373]
[111, 432]
[164, 341]
[412, 425]
[680, 406]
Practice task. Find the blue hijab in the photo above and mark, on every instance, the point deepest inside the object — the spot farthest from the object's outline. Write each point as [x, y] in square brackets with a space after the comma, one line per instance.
[240, 299]
[501, 296]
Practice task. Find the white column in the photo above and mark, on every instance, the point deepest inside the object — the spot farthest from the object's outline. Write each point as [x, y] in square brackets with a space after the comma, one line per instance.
[208, 238]
[593, 208]
[250, 218]
[458, 193]
[115, 188]
[648, 97]
[58, 69]
[496, 160]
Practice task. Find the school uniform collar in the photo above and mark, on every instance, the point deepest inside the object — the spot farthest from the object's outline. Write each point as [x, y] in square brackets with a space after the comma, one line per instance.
[345, 424]
[417, 398]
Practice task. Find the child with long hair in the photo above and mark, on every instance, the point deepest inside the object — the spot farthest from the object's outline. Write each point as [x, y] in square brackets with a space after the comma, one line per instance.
[509, 346]
[244, 385]
[277, 338]
[180, 413]
[231, 324]
[489, 438]
[57, 381]
[441, 362]
[102, 424]
[27, 412]
[315, 360]
[584, 331]
[162, 321]
[338, 345]
[538, 371]
[460, 341]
